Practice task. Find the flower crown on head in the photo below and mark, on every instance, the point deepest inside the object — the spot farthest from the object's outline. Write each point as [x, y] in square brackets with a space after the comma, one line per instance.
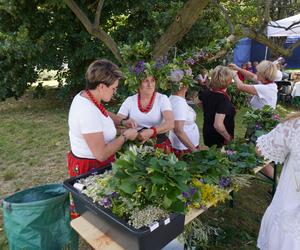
[180, 74]
[168, 75]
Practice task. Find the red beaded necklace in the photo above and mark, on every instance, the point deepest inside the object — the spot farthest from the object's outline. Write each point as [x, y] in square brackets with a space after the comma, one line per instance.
[98, 105]
[149, 106]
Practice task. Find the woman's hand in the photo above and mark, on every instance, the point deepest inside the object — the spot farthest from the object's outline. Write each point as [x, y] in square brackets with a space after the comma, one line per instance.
[130, 134]
[233, 66]
[145, 135]
[129, 123]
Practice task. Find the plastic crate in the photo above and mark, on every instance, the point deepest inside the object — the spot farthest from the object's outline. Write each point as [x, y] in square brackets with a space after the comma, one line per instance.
[145, 238]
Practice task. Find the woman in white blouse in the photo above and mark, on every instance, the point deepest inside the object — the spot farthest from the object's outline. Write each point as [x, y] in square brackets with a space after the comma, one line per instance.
[185, 136]
[92, 131]
[264, 92]
[151, 111]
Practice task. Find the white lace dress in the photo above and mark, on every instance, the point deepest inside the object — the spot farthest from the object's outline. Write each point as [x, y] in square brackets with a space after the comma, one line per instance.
[280, 226]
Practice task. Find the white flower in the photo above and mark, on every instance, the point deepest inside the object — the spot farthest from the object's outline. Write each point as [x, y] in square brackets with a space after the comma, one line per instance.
[176, 75]
[189, 72]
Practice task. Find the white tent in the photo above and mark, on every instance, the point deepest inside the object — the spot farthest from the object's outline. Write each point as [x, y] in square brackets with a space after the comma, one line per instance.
[284, 27]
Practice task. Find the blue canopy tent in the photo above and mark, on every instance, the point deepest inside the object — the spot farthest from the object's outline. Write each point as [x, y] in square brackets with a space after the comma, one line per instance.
[251, 50]
[287, 27]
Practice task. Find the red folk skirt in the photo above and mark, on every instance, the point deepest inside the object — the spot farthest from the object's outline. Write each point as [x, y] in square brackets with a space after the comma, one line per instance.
[180, 153]
[78, 165]
[164, 144]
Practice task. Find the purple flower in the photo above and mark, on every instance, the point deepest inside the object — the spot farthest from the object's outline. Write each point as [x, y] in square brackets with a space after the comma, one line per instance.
[114, 195]
[276, 117]
[159, 63]
[185, 195]
[230, 152]
[258, 126]
[199, 55]
[192, 191]
[106, 202]
[190, 61]
[139, 67]
[224, 182]
[176, 75]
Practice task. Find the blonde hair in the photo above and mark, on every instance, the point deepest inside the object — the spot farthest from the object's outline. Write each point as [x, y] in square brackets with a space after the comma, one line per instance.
[102, 71]
[267, 69]
[221, 77]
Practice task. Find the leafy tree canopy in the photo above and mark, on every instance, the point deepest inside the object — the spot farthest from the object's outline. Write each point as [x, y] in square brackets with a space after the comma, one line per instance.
[45, 34]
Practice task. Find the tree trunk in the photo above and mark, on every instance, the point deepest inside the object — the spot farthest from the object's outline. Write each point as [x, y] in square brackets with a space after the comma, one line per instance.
[95, 29]
[183, 22]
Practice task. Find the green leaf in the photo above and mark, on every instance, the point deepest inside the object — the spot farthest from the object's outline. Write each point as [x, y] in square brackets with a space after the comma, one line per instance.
[156, 179]
[128, 187]
[167, 202]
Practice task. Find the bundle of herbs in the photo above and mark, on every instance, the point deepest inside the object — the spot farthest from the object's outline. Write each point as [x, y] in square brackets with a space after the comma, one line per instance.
[260, 121]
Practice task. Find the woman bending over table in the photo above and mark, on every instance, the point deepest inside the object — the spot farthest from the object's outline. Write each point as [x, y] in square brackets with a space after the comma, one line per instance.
[219, 112]
[151, 111]
[92, 130]
[185, 136]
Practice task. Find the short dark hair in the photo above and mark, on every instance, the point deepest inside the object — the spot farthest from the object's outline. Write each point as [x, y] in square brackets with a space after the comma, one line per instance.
[102, 71]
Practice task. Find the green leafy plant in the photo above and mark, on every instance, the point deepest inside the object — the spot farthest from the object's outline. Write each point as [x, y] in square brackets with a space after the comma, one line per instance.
[242, 157]
[149, 178]
[260, 121]
[238, 98]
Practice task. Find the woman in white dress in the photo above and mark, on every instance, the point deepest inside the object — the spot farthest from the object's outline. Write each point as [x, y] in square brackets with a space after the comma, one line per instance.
[280, 227]
[185, 136]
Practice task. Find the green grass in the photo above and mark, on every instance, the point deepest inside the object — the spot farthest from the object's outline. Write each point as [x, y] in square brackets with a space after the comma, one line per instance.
[33, 147]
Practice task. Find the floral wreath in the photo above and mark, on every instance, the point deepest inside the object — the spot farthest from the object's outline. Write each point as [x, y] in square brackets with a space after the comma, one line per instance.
[168, 75]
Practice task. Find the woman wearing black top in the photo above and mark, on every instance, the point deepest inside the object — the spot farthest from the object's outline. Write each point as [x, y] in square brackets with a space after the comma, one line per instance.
[219, 112]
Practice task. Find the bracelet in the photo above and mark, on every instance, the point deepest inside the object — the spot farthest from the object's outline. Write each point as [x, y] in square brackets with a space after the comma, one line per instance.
[154, 132]
[121, 122]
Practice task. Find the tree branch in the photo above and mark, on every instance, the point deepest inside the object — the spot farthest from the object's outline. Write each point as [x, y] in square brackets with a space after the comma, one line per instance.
[98, 13]
[95, 30]
[266, 15]
[80, 15]
[257, 36]
[230, 39]
[183, 22]
[226, 15]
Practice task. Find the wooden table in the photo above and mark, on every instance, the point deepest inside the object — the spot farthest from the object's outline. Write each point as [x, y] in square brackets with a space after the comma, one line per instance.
[98, 239]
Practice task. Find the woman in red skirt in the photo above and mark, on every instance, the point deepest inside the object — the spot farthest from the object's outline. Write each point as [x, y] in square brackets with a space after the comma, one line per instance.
[92, 129]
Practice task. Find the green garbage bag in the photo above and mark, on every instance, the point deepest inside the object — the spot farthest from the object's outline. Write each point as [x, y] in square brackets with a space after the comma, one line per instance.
[39, 218]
